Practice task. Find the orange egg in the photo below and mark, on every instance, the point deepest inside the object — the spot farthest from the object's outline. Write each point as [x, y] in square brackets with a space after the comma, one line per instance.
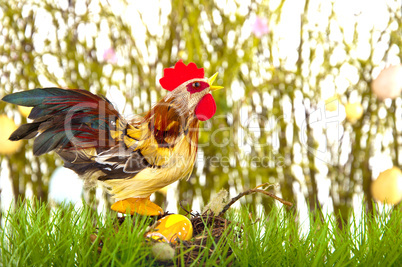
[172, 227]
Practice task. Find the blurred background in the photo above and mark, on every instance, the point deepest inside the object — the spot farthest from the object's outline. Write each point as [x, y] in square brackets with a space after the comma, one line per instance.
[312, 98]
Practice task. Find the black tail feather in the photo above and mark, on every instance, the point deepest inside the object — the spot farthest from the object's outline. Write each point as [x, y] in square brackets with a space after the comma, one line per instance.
[26, 131]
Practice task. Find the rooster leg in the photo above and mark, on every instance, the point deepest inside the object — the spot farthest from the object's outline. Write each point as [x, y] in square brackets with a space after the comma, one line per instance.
[142, 206]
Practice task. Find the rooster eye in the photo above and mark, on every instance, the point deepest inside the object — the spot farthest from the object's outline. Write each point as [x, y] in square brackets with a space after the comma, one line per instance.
[196, 85]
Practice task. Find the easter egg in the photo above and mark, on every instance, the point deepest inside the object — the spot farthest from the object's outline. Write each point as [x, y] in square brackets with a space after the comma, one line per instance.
[172, 227]
[387, 188]
[332, 103]
[354, 111]
[25, 111]
[388, 84]
[8, 126]
[163, 251]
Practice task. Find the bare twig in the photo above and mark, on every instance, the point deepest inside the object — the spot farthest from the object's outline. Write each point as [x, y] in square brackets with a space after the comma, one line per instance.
[188, 212]
[287, 203]
[252, 191]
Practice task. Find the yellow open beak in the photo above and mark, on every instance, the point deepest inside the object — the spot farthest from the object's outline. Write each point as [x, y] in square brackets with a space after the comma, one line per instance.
[211, 81]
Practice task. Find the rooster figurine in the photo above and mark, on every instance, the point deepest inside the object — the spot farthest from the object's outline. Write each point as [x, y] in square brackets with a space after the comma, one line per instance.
[132, 158]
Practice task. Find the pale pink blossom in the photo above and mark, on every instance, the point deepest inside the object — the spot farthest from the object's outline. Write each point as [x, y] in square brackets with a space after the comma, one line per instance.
[260, 27]
[110, 56]
[389, 83]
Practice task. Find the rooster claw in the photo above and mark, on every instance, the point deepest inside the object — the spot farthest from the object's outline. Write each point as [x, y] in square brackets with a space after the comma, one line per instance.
[141, 206]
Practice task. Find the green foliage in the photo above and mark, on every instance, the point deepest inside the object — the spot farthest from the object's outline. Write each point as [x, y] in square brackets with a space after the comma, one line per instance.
[35, 235]
[277, 240]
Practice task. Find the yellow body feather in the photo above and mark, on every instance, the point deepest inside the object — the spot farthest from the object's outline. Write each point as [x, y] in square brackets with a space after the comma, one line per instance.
[176, 163]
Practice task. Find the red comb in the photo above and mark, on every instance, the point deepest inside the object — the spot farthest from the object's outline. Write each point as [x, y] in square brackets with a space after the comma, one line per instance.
[173, 77]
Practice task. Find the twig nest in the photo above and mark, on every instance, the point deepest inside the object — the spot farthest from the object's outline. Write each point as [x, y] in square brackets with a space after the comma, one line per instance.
[354, 111]
[388, 84]
[162, 251]
[388, 186]
[170, 228]
[25, 111]
[8, 126]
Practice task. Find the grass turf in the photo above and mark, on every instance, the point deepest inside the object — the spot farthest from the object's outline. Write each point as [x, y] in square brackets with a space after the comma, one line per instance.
[34, 235]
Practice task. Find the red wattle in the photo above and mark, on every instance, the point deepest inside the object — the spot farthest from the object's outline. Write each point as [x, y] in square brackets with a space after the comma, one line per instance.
[206, 108]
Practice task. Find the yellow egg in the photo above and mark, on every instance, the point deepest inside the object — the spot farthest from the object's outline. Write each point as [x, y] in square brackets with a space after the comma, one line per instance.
[172, 227]
[387, 188]
[24, 111]
[182, 54]
[354, 111]
[8, 126]
[332, 103]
